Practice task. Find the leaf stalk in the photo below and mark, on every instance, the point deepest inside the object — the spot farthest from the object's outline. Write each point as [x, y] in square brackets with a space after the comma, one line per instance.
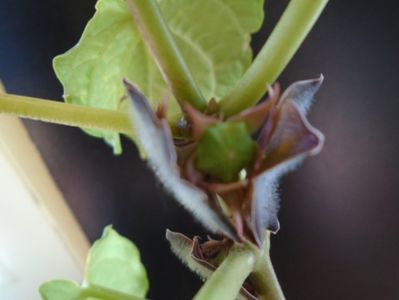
[65, 114]
[288, 35]
[225, 283]
[263, 276]
[243, 261]
[104, 294]
[159, 40]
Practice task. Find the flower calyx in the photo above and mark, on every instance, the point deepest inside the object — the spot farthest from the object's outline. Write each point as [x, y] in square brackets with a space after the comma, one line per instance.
[226, 170]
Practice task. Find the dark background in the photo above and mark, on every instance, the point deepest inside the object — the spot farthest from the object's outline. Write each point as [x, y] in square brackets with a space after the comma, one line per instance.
[340, 211]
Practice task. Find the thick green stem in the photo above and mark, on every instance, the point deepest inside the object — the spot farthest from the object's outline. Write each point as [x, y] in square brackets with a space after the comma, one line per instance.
[160, 42]
[97, 292]
[263, 276]
[289, 33]
[65, 114]
[225, 283]
[243, 261]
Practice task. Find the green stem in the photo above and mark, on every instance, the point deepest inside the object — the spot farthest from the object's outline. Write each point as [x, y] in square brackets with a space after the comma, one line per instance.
[225, 283]
[289, 33]
[65, 114]
[97, 292]
[160, 42]
[264, 278]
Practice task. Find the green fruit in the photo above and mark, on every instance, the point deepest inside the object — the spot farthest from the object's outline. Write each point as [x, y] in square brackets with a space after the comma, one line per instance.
[224, 150]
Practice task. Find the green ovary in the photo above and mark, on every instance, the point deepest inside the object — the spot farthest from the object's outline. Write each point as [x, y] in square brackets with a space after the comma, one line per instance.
[224, 150]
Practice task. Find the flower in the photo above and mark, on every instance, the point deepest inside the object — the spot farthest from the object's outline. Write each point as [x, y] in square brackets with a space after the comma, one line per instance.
[226, 170]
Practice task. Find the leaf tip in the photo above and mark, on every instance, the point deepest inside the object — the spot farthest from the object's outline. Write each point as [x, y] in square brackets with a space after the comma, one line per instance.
[108, 230]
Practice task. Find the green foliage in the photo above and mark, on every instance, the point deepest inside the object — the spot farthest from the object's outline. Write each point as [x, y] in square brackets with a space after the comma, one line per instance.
[60, 290]
[213, 36]
[114, 263]
[113, 270]
[225, 149]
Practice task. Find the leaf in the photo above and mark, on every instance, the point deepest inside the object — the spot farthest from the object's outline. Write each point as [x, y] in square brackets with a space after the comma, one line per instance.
[213, 36]
[114, 263]
[91, 72]
[60, 290]
[113, 269]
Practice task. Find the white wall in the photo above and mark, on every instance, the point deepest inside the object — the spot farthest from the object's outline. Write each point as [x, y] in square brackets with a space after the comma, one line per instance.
[40, 239]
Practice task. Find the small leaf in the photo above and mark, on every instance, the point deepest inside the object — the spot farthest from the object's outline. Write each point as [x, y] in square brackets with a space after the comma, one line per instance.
[114, 263]
[60, 290]
[113, 270]
[213, 36]
[225, 149]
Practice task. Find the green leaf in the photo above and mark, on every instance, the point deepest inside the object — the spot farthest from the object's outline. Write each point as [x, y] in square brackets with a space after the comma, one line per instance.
[225, 149]
[114, 263]
[213, 36]
[60, 290]
[91, 72]
[113, 271]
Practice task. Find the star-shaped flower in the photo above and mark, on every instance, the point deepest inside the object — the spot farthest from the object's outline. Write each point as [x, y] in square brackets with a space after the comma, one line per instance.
[226, 170]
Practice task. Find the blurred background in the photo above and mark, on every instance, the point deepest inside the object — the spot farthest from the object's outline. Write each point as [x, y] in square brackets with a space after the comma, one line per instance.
[339, 236]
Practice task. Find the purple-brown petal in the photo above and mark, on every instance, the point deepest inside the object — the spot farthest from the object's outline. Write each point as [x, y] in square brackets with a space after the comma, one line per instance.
[254, 117]
[293, 139]
[199, 121]
[261, 206]
[302, 93]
